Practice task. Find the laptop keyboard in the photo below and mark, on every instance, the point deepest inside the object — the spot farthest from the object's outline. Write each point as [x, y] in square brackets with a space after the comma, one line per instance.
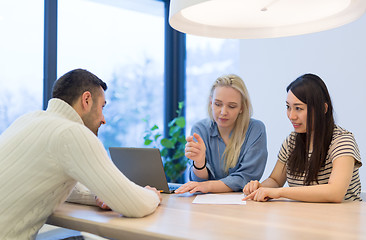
[174, 186]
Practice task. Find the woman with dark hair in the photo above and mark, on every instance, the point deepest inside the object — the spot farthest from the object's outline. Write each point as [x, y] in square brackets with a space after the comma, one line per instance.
[319, 160]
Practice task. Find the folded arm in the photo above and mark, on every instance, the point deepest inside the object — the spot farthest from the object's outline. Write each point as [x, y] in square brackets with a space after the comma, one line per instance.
[333, 191]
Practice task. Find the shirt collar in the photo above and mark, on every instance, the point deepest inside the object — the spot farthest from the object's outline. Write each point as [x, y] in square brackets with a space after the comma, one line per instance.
[214, 131]
[60, 107]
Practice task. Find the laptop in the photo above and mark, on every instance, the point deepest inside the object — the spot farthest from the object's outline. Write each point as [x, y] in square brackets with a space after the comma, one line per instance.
[142, 166]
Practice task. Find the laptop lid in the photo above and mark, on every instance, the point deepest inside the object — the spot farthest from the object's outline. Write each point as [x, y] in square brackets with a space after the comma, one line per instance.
[142, 166]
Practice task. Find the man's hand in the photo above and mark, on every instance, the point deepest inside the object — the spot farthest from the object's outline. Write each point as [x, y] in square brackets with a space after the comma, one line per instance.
[101, 204]
[154, 190]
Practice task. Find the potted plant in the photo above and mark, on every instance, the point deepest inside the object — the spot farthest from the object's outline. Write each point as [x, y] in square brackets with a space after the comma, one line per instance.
[172, 147]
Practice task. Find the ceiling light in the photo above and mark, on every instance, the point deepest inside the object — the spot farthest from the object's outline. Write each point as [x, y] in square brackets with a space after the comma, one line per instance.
[261, 18]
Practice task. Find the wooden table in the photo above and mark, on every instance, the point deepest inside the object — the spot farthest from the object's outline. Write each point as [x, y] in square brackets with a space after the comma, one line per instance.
[178, 218]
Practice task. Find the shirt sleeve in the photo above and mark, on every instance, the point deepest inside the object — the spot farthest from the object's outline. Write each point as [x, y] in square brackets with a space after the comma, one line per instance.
[284, 152]
[345, 145]
[252, 159]
[202, 131]
[83, 158]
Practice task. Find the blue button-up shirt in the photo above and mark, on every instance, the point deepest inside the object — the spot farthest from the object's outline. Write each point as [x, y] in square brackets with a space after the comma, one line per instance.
[252, 159]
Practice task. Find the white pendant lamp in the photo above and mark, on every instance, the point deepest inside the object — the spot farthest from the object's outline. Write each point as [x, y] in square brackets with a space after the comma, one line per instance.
[261, 18]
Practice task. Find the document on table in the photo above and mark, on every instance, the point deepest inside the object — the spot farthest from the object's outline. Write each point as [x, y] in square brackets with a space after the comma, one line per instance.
[219, 199]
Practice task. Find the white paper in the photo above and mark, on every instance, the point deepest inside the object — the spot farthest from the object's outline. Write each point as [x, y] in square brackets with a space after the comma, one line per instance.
[219, 199]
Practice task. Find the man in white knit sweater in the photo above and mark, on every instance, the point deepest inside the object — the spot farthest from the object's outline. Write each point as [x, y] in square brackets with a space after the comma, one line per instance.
[45, 153]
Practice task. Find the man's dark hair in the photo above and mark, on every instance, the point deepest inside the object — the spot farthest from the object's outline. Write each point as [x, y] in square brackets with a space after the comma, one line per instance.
[73, 84]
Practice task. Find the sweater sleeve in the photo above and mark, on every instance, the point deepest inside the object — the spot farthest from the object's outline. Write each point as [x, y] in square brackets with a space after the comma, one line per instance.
[84, 159]
[81, 194]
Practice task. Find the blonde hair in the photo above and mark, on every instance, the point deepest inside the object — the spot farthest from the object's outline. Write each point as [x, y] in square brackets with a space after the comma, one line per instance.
[237, 138]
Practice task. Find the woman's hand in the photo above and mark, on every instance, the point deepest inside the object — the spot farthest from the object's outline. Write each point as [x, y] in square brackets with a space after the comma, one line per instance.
[196, 151]
[251, 187]
[263, 194]
[193, 187]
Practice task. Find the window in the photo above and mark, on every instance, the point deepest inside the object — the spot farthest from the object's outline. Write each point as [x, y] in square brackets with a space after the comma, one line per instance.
[207, 59]
[122, 42]
[21, 59]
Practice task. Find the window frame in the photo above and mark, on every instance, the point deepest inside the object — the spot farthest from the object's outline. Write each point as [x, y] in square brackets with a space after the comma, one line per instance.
[174, 61]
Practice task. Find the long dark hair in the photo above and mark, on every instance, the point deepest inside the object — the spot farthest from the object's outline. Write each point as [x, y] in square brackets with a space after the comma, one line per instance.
[311, 90]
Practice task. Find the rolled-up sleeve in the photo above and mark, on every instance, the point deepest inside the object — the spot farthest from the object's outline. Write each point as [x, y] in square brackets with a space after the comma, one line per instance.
[201, 130]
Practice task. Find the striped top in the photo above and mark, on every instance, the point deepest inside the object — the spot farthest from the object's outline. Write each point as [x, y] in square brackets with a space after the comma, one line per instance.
[343, 144]
[42, 156]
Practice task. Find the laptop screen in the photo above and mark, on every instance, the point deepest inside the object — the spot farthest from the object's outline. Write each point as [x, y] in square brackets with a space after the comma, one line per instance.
[142, 166]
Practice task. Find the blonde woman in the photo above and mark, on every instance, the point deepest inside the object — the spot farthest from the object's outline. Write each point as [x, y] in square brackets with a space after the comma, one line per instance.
[230, 148]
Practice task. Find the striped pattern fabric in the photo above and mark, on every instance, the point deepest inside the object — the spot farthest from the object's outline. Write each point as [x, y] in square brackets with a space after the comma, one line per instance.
[343, 144]
[42, 156]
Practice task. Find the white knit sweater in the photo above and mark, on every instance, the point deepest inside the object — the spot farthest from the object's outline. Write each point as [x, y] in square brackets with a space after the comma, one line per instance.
[42, 156]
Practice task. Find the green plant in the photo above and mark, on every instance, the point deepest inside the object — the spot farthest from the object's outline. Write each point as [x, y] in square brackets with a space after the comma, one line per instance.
[172, 147]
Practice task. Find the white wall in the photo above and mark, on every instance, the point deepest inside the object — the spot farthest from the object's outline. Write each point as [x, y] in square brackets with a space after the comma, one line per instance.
[338, 56]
